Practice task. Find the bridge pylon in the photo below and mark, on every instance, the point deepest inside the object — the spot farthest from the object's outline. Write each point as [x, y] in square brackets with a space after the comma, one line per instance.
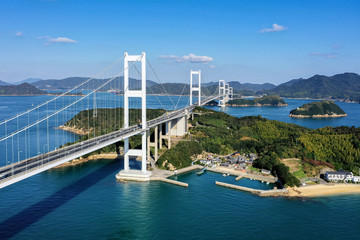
[142, 175]
[222, 91]
[196, 88]
[225, 93]
[231, 93]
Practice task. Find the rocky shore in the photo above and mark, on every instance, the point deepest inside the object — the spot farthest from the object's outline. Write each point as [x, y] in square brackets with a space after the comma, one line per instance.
[73, 130]
[89, 158]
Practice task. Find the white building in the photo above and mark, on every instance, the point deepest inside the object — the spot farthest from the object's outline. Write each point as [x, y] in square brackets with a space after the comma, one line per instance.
[356, 179]
[340, 175]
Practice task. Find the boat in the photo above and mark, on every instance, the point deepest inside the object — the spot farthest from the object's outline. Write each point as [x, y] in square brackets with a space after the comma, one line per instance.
[201, 171]
[113, 91]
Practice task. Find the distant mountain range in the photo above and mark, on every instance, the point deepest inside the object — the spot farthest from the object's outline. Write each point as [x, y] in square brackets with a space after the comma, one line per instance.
[253, 87]
[2, 83]
[340, 86]
[345, 86]
[28, 80]
[71, 82]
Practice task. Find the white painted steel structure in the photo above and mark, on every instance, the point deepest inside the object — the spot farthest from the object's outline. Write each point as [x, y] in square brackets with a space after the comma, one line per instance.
[225, 93]
[197, 88]
[135, 94]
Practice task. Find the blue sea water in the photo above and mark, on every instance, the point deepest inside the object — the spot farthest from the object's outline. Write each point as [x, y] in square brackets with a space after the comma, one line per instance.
[282, 114]
[86, 202]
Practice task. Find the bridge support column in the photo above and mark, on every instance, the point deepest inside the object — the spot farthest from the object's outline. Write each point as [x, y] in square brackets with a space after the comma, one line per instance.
[160, 135]
[222, 93]
[153, 144]
[127, 173]
[156, 143]
[168, 126]
[148, 144]
[178, 127]
[198, 86]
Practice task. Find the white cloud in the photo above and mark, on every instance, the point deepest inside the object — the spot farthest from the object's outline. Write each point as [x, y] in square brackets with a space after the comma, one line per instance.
[62, 40]
[18, 34]
[275, 28]
[325, 55]
[188, 58]
[50, 40]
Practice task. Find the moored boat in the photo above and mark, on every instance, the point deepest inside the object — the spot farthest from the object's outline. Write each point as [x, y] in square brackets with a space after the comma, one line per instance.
[201, 171]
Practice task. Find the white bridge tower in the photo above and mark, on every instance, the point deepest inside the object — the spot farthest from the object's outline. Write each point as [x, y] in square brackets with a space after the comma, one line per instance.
[127, 173]
[225, 93]
[222, 90]
[197, 87]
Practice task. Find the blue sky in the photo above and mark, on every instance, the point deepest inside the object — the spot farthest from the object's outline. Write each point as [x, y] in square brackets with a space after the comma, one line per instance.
[253, 41]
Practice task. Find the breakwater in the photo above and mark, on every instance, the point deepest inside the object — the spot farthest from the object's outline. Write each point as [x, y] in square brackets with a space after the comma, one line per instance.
[262, 193]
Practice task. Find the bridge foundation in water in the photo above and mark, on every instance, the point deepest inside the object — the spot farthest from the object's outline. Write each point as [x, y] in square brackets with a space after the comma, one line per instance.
[127, 173]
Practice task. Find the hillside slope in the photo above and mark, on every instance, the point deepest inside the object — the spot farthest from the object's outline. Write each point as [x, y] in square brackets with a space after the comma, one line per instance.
[340, 86]
[20, 90]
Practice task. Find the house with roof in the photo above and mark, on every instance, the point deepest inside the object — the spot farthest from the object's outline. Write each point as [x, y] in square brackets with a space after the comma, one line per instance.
[265, 171]
[340, 175]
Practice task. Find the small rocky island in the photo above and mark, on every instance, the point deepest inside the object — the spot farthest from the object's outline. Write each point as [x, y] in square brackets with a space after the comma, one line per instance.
[321, 109]
[271, 100]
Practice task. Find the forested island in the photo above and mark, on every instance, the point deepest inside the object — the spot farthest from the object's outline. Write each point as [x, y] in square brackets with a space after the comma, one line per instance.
[272, 100]
[321, 109]
[272, 141]
[23, 89]
[219, 133]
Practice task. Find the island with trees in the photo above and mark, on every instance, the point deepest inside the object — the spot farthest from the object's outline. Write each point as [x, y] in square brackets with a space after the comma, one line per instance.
[291, 152]
[272, 100]
[23, 89]
[323, 109]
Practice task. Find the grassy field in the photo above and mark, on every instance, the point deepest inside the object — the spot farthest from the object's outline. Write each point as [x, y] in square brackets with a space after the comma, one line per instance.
[295, 166]
[299, 174]
[254, 169]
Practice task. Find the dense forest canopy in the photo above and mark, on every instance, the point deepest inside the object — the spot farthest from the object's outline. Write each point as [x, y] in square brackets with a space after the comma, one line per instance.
[272, 100]
[271, 140]
[221, 133]
[318, 108]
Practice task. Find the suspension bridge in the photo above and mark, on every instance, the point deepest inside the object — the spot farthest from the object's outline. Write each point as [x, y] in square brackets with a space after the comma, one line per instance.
[32, 142]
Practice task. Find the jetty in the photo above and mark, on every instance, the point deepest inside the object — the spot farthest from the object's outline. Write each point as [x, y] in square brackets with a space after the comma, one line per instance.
[167, 180]
[262, 193]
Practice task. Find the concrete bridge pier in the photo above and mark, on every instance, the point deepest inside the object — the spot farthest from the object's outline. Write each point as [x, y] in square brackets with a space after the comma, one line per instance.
[179, 126]
[154, 144]
[167, 134]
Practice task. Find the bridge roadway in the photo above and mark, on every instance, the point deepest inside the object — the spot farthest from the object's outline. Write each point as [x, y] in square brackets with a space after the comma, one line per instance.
[18, 171]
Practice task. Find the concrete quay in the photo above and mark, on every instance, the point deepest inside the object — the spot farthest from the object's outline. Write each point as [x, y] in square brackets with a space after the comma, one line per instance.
[240, 175]
[262, 193]
[182, 184]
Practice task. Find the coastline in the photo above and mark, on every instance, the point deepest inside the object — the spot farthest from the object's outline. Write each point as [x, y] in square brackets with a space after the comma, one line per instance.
[322, 99]
[73, 130]
[256, 105]
[321, 190]
[80, 160]
[318, 116]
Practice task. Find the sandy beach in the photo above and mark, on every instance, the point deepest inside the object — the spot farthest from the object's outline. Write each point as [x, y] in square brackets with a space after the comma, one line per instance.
[324, 190]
